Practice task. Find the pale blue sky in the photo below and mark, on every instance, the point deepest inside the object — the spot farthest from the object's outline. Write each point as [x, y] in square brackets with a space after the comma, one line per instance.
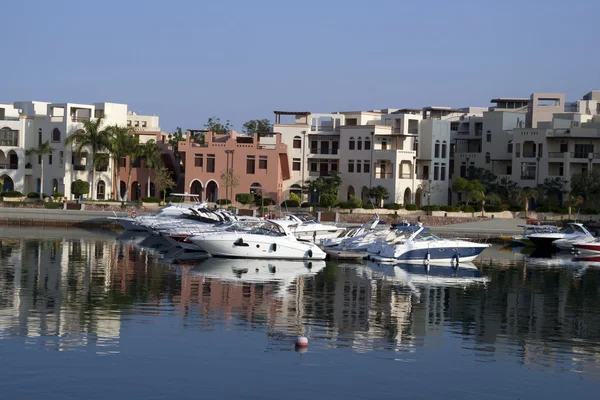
[239, 60]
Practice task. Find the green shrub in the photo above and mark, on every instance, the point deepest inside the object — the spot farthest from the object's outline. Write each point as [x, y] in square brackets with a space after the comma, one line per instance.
[589, 211]
[328, 200]
[431, 208]
[515, 208]
[244, 198]
[290, 203]
[150, 200]
[58, 194]
[493, 208]
[450, 208]
[35, 195]
[307, 204]
[469, 209]
[542, 209]
[345, 205]
[392, 206]
[369, 207]
[411, 207]
[355, 201]
[295, 197]
[12, 193]
[560, 210]
[53, 206]
[80, 187]
[223, 202]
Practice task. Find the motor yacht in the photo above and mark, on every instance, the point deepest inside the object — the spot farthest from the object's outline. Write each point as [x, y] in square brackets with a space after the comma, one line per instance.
[272, 239]
[573, 232]
[313, 230]
[418, 244]
[528, 229]
[350, 233]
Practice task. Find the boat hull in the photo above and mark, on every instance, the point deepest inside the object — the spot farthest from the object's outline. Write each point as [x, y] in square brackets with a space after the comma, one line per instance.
[592, 248]
[448, 254]
[544, 243]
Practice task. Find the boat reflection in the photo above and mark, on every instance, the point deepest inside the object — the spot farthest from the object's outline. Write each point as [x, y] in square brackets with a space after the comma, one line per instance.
[255, 270]
[431, 274]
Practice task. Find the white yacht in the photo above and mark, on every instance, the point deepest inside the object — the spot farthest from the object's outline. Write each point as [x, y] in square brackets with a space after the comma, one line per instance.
[267, 239]
[350, 233]
[563, 239]
[313, 230]
[417, 244]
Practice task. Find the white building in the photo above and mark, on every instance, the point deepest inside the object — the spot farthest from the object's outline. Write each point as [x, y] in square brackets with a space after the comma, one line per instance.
[26, 124]
[397, 149]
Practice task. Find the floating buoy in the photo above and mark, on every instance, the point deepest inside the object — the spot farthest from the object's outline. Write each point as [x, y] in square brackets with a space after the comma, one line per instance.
[301, 341]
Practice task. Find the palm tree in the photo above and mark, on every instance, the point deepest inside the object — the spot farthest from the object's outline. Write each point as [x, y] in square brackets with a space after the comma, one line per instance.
[41, 150]
[525, 196]
[152, 158]
[94, 139]
[122, 143]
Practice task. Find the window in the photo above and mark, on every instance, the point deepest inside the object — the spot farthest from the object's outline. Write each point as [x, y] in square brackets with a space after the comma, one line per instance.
[61, 155]
[297, 142]
[314, 167]
[9, 137]
[144, 124]
[443, 172]
[488, 158]
[581, 150]
[210, 163]
[358, 144]
[425, 171]
[451, 169]
[128, 123]
[250, 165]
[55, 135]
[334, 166]
[296, 164]
[518, 150]
[444, 149]
[39, 159]
[384, 144]
[541, 149]
[437, 149]
[367, 167]
[40, 136]
[561, 169]
[436, 172]
[49, 159]
[122, 162]
[199, 160]
[509, 147]
[136, 123]
[314, 146]
[358, 167]
[350, 165]
[509, 170]
[367, 144]
[488, 137]
[351, 144]
[564, 147]
[262, 162]
[463, 171]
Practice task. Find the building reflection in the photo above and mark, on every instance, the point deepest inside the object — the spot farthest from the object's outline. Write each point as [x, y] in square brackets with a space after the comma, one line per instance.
[72, 293]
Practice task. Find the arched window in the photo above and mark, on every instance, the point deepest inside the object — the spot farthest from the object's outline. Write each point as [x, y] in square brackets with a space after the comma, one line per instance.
[437, 149]
[509, 147]
[444, 149]
[297, 142]
[256, 188]
[488, 158]
[367, 143]
[54, 186]
[488, 136]
[351, 143]
[101, 188]
[56, 135]
[358, 144]
[384, 144]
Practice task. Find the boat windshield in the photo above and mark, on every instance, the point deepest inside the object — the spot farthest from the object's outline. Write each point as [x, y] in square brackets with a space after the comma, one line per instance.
[268, 229]
[425, 236]
[567, 229]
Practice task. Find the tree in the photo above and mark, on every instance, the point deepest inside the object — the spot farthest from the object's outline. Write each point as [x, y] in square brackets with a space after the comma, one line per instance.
[173, 139]
[151, 153]
[244, 198]
[260, 126]
[507, 188]
[355, 201]
[586, 185]
[215, 126]
[552, 188]
[525, 196]
[163, 181]
[41, 151]
[94, 139]
[79, 188]
[573, 201]
[380, 193]
[487, 178]
[328, 199]
[133, 153]
[230, 180]
[121, 143]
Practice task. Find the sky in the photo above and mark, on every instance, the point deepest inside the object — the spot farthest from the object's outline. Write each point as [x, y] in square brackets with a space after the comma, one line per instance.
[188, 60]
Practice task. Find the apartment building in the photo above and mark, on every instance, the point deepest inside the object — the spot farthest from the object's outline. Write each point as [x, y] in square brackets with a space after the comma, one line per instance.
[399, 149]
[260, 164]
[27, 124]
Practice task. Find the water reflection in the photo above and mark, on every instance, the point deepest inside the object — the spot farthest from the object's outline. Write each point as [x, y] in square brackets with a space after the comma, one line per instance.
[72, 290]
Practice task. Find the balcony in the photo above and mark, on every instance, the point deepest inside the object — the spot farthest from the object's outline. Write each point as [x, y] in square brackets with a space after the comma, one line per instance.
[556, 155]
[323, 151]
[528, 177]
[529, 154]
[75, 118]
[384, 175]
[581, 155]
[405, 176]
[79, 167]
[9, 166]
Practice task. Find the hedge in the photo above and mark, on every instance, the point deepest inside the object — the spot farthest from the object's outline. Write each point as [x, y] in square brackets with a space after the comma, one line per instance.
[369, 207]
[53, 206]
[150, 200]
[470, 209]
[431, 208]
[35, 195]
[12, 193]
[244, 198]
[411, 207]
[306, 204]
[515, 208]
[223, 202]
[493, 208]
[290, 203]
[589, 211]
[392, 206]
[450, 208]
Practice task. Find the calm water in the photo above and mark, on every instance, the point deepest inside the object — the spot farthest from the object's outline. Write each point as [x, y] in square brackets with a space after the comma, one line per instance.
[90, 315]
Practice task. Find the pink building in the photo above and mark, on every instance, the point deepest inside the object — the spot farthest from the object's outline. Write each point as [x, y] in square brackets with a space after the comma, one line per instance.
[259, 164]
